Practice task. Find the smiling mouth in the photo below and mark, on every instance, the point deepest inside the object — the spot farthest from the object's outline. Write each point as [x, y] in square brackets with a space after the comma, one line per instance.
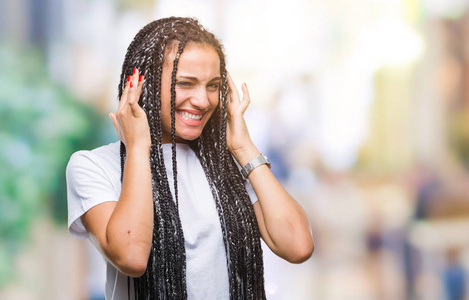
[189, 117]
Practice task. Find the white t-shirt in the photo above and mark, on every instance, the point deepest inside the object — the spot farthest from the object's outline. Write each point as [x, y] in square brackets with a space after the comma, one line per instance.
[93, 177]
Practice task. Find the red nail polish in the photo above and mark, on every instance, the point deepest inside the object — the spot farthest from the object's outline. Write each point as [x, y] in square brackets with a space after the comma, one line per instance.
[135, 70]
[140, 78]
[131, 84]
[128, 78]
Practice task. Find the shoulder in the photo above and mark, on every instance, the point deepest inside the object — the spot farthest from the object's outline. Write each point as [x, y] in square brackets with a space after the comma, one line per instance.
[102, 162]
[106, 155]
[93, 177]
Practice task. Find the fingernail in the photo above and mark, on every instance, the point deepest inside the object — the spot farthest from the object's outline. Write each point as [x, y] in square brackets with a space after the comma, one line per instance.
[245, 85]
[140, 78]
[131, 84]
[135, 70]
[128, 78]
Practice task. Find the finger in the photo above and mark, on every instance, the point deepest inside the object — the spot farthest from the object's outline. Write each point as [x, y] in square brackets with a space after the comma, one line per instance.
[114, 121]
[124, 96]
[134, 105]
[140, 85]
[135, 109]
[116, 125]
[233, 90]
[246, 96]
[243, 105]
[133, 87]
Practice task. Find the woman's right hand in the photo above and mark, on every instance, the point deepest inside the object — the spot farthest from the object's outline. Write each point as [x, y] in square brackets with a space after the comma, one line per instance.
[123, 230]
[130, 120]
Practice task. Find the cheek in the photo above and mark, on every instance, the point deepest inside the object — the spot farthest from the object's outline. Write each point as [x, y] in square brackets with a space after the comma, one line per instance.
[214, 105]
[166, 102]
[181, 96]
[214, 100]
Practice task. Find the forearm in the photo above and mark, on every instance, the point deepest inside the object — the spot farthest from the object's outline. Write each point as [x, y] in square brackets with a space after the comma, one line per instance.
[283, 223]
[130, 227]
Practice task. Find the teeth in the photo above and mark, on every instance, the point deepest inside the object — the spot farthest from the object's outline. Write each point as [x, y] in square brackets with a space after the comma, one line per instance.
[189, 116]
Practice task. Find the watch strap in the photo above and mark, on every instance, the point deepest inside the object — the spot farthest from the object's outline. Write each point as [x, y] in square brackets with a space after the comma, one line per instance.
[256, 162]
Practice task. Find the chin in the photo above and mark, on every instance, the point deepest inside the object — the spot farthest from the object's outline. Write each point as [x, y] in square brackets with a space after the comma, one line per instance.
[188, 136]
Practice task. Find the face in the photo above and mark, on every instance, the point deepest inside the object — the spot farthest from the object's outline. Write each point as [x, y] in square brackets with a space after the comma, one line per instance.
[197, 87]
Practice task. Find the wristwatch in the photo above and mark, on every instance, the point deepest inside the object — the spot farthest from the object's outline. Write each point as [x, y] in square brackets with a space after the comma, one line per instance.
[256, 162]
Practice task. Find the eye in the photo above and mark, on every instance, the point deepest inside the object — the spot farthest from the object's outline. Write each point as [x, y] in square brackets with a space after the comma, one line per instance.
[214, 86]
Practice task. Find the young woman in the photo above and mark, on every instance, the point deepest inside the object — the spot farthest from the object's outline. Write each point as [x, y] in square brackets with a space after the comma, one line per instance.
[180, 203]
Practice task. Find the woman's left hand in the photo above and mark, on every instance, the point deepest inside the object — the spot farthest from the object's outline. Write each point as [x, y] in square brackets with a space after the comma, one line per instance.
[282, 222]
[237, 134]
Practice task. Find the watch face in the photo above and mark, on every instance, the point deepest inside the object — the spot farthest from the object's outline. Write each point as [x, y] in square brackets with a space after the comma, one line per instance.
[266, 160]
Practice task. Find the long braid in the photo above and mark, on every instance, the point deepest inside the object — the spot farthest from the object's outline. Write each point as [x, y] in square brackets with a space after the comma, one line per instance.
[165, 276]
[178, 260]
[173, 118]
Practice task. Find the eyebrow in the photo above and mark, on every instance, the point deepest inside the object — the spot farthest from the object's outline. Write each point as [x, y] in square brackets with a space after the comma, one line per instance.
[196, 79]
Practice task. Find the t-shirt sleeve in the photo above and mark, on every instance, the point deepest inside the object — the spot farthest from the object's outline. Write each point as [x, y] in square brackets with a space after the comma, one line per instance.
[88, 185]
[251, 192]
[248, 185]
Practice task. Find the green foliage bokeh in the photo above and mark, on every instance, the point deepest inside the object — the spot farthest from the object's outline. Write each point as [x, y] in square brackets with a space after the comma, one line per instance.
[41, 125]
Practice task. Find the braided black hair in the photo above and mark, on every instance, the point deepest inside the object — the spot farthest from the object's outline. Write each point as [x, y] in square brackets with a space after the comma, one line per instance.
[165, 276]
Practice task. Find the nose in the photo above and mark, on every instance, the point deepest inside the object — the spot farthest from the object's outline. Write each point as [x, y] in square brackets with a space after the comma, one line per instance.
[200, 98]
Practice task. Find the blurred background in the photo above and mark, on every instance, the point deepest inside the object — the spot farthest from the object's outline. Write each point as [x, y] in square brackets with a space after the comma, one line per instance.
[361, 105]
